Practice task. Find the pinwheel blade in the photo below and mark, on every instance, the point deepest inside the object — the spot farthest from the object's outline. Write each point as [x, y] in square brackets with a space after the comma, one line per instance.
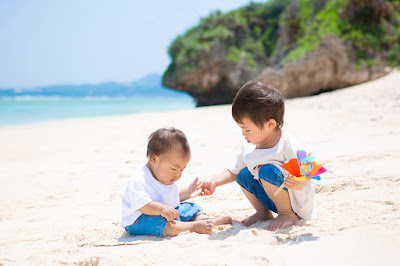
[292, 167]
[301, 155]
[300, 178]
[320, 171]
[309, 159]
[316, 177]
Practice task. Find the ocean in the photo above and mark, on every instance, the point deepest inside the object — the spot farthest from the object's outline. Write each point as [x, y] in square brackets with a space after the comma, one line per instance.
[27, 109]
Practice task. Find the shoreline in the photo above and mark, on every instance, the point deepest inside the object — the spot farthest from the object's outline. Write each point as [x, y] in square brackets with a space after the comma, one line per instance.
[61, 185]
[50, 109]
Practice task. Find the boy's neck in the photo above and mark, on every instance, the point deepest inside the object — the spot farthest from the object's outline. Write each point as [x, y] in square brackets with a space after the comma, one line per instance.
[148, 164]
[271, 141]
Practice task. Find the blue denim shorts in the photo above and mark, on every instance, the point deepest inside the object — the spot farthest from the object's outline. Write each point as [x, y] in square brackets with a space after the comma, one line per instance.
[155, 225]
[268, 173]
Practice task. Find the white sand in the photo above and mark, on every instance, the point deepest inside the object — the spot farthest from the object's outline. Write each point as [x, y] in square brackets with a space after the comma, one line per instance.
[61, 183]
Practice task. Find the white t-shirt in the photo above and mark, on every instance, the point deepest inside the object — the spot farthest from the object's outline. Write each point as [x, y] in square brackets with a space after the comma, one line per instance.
[302, 201]
[143, 188]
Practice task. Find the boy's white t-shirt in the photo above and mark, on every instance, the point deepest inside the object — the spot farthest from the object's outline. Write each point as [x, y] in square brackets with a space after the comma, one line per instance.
[302, 201]
[143, 188]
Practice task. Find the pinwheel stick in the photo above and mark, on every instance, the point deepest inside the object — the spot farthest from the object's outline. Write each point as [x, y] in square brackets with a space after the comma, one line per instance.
[279, 189]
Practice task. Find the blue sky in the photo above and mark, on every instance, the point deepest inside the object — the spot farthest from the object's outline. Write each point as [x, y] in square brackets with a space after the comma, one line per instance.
[45, 42]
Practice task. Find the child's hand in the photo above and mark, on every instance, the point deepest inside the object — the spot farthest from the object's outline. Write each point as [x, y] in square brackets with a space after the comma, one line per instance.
[207, 187]
[291, 183]
[192, 187]
[169, 213]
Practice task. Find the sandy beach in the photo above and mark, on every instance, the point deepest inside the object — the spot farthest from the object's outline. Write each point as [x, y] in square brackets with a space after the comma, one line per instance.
[61, 185]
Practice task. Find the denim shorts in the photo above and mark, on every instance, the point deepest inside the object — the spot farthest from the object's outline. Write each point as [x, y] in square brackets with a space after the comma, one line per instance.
[155, 225]
[268, 173]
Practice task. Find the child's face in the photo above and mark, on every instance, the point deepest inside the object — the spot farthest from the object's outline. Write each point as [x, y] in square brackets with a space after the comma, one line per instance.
[255, 135]
[168, 167]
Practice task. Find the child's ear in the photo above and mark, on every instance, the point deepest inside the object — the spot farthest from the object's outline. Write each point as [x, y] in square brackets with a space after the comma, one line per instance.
[153, 159]
[271, 123]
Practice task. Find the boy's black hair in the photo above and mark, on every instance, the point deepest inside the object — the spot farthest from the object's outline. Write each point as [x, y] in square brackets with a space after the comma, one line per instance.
[165, 139]
[260, 103]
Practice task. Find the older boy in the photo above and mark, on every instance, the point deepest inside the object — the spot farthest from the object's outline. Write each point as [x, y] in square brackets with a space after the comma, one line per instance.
[259, 110]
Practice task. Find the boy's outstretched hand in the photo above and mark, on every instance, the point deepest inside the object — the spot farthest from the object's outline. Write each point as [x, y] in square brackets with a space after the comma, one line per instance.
[291, 183]
[192, 187]
[207, 187]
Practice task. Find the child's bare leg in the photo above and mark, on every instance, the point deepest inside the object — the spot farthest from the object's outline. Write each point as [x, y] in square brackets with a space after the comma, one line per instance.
[261, 214]
[217, 221]
[286, 216]
[174, 227]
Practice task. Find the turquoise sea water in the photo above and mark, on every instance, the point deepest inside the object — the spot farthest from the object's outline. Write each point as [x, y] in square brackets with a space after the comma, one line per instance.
[27, 110]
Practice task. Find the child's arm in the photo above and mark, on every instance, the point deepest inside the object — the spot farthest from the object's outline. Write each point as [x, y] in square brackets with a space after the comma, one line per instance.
[184, 193]
[208, 186]
[159, 209]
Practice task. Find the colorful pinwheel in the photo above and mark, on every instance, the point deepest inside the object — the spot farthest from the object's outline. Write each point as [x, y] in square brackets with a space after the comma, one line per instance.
[304, 168]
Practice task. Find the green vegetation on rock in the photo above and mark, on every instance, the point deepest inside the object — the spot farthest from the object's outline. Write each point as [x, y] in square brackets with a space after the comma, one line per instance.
[314, 26]
[370, 28]
[250, 30]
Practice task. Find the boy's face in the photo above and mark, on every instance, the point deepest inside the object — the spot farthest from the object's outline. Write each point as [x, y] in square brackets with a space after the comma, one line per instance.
[167, 168]
[255, 135]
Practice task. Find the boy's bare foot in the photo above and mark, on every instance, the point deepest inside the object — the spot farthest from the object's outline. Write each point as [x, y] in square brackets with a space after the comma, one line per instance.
[256, 217]
[203, 226]
[283, 221]
[223, 220]
[174, 228]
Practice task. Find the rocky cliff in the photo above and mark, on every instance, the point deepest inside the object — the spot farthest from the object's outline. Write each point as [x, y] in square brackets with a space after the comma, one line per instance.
[304, 47]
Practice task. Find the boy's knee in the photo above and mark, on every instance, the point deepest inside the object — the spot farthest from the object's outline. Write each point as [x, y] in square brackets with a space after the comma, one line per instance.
[269, 170]
[243, 175]
[188, 211]
[271, 174]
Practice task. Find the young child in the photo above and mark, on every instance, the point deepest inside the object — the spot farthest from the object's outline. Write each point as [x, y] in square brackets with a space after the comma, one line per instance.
[151, 203]
[258, 110]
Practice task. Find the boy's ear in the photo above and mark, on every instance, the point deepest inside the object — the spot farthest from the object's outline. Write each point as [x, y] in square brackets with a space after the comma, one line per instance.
[271, 123]
[153, 158]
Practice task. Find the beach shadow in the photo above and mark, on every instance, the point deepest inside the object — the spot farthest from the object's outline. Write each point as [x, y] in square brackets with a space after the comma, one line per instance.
[297, 239]
[236, 228]
[127, 239]
[283, 236]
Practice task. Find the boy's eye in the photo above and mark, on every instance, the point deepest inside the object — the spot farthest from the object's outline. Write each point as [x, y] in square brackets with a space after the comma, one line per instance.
[173, 169]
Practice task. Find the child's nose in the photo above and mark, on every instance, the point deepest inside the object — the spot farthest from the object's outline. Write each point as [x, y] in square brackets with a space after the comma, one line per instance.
[178, 174]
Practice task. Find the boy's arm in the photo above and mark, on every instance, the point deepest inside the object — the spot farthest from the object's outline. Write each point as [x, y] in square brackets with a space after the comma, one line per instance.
[185, 192]
[224, 178]
[159, 209]
[208, 186]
